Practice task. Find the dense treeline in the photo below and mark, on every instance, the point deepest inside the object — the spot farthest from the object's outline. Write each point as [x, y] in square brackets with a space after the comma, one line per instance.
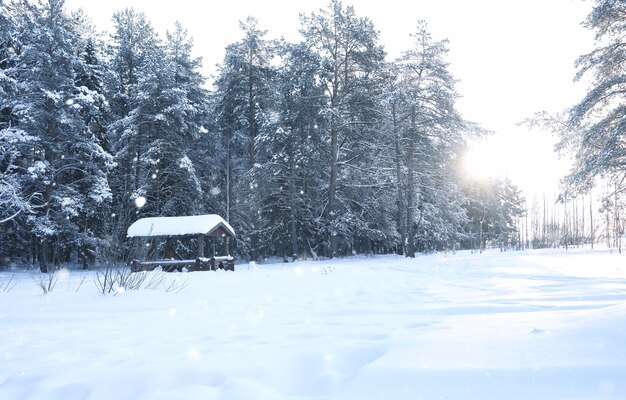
[319, 147]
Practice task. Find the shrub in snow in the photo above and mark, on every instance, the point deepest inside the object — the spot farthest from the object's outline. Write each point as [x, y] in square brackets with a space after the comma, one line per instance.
[47, 282]
[7, 283]
[118, 279]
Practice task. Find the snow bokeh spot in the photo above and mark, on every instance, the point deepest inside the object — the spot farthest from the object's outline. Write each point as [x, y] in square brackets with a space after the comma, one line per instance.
[607, 388]
[193, 354]
[63, 274]
[216, 191]
[140, 201]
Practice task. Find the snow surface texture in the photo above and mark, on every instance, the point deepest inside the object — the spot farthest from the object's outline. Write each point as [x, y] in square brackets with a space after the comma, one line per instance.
[516, 325]
[178, 226]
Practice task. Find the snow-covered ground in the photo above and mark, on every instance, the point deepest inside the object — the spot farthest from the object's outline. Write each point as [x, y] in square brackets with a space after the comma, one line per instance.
[515, 325]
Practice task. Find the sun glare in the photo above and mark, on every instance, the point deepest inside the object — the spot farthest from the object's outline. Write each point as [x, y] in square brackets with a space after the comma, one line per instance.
[526, 158]
[483, 160]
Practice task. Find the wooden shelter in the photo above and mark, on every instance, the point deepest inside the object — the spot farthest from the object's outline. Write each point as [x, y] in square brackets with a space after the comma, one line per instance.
[171, 228]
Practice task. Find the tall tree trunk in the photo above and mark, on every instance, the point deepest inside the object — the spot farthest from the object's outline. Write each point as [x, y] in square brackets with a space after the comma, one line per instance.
[480, 233]
[229, 175]
[614, 236]
[334, 150]
[252, 132]
[544, 223]
[292, 215]
[566, 226]
[251, 113]
[399, 188]
[229, 186]
[138, 160]
[582, 222]
[608, 228]
[591, 227]
[332, 190]
[410, 186]
[43, 255]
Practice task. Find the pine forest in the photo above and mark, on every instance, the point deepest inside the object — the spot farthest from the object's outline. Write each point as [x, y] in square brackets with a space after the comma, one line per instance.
[319, 148]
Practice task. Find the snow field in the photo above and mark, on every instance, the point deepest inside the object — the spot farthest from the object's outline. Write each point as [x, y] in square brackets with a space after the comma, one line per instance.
[514, 325]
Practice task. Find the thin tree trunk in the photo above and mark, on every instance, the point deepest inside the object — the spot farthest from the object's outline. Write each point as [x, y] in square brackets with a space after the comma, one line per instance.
[138, 160]
[544, 222]
[526, 241]
[43, 255]
[399, 188]
[591, 227]
[334, 145]
[251, 113]
[608, 228]
[292, 215]
[252, 132]
[410, 200]
[332, 189]
[616, 233]
[229, 187]
[580, 222]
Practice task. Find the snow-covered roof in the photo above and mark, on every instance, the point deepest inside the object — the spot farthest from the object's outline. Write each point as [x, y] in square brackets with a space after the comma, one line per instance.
[209, 225]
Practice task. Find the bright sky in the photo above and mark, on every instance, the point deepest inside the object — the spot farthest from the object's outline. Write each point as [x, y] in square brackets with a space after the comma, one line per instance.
[512, 58]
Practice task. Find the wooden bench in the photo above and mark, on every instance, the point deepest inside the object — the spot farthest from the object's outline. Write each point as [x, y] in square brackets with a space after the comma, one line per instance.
[226, 263]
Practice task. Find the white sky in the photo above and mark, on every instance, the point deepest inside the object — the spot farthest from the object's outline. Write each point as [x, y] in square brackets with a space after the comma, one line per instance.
[512, 58]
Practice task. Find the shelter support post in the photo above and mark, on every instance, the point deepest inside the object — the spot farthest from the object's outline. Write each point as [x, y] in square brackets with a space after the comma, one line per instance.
[137, 244]
[168, 248]
[200, 246]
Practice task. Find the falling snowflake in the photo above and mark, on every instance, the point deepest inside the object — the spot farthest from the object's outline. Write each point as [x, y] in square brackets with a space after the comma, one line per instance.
[140, 201]
[193, 354]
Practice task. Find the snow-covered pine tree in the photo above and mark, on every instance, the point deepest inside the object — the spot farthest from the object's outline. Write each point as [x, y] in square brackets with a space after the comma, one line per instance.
[66, 166]
[95, 112]
[244, 105]
[189, 114]
[164, 124]
[15, 201]
[594, 129]
[288, 157]
[424, 112]
[350, 65]
[131, 42]
[172, 105]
